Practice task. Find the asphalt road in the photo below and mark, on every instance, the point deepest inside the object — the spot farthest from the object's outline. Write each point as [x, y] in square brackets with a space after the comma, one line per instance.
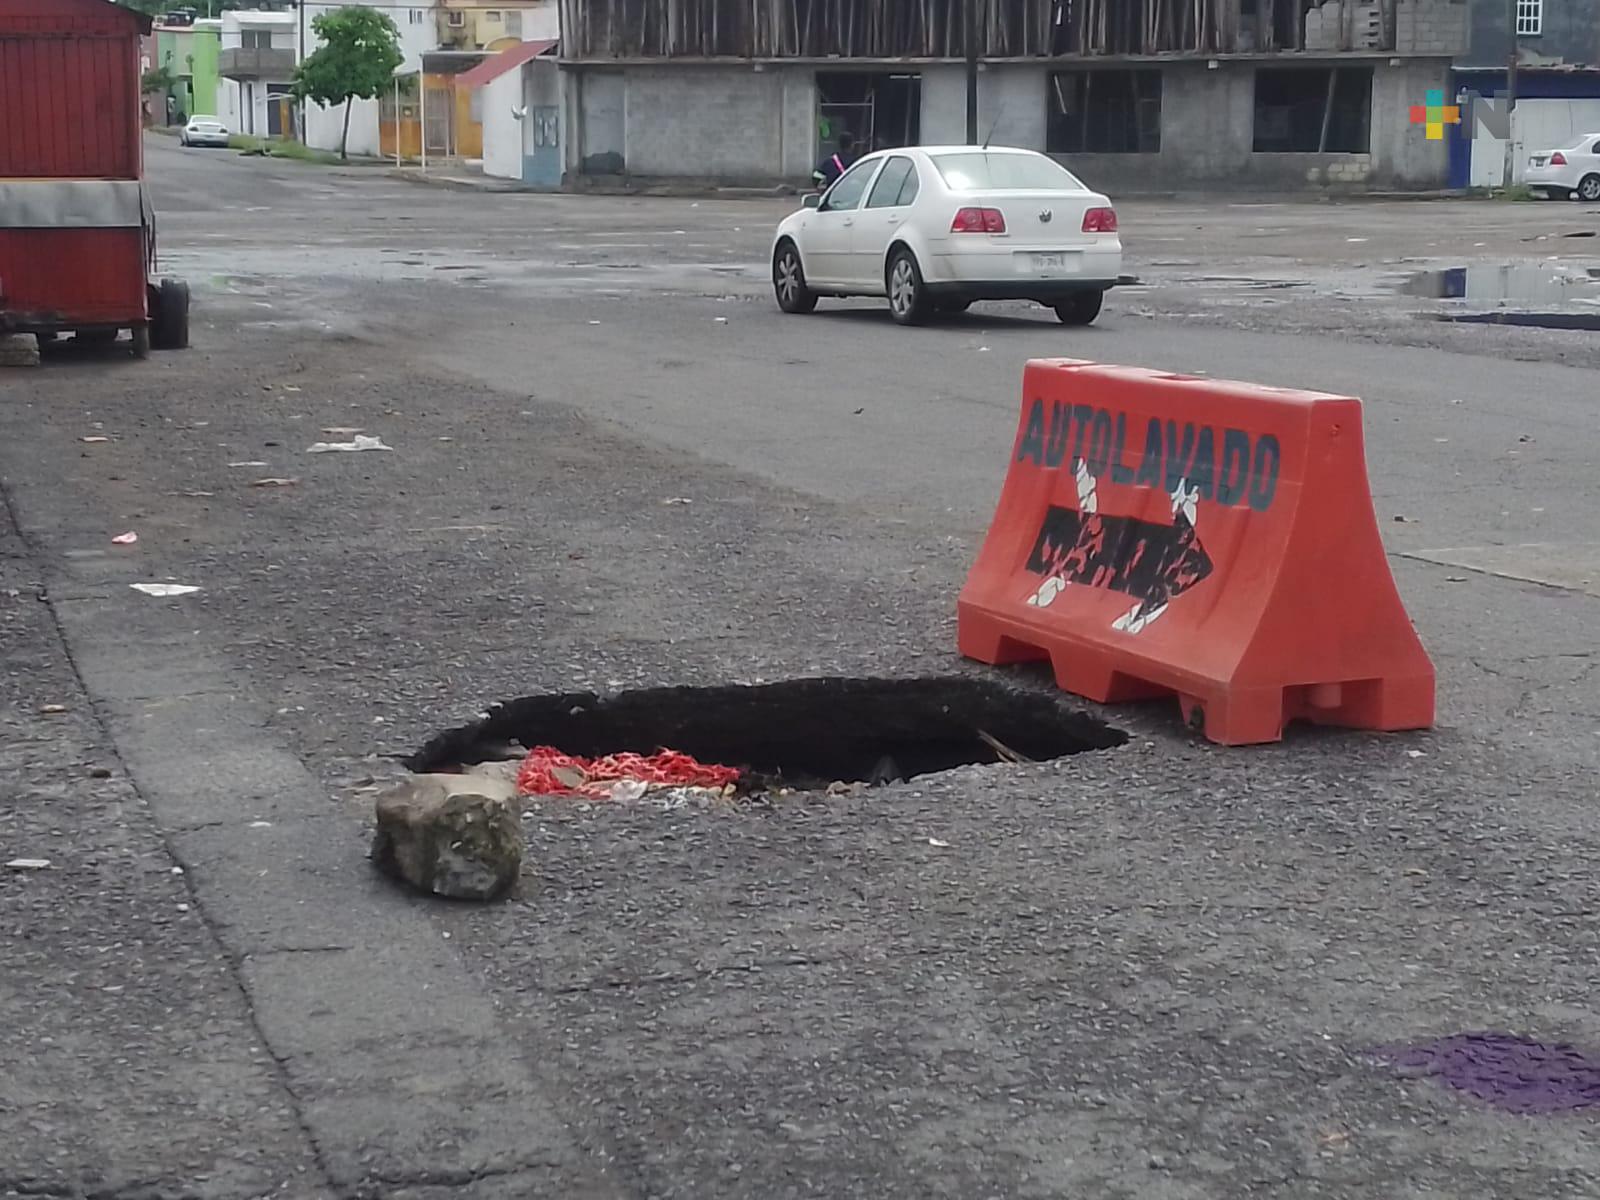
[1156, 971]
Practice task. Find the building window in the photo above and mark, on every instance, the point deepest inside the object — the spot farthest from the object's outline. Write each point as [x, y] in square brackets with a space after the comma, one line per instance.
[492, 14]
[1313, 110]
[514, 22]
[456, 19]
[1530, 18]
[416, 16]
[1104, 112]
[255, 39]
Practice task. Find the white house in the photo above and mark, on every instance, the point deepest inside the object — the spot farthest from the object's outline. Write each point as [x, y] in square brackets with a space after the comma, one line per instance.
[255, 66]
[418, 29]
[520, 102]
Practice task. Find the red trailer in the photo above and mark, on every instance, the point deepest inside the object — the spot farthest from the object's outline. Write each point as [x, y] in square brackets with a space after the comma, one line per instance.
[77, 232]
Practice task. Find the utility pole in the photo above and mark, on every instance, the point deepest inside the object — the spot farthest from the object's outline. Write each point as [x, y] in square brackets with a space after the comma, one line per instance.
[300, 57]
[1511, 94]
[970, 40]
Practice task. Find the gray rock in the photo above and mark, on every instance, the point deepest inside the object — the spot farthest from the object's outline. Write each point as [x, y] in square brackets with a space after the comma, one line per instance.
[18, 350]
[450, 835]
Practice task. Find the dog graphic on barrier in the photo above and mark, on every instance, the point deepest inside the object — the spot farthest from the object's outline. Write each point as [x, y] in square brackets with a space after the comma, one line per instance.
[1151, 562]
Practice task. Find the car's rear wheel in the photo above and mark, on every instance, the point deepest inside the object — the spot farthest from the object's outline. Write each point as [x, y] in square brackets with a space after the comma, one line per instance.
[1081, 309]
[1589, 188]
[789, 281]
[908, 296]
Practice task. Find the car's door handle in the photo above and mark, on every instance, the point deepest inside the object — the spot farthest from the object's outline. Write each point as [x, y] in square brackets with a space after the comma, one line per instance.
[848, 221]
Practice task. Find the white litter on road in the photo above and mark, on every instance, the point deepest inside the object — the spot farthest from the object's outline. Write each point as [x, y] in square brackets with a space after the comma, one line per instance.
[29, 864]
[164, 589]
[361, 442]
[125, 539]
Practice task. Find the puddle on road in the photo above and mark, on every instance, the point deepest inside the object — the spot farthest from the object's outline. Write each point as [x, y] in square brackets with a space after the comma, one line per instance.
[1518, 283]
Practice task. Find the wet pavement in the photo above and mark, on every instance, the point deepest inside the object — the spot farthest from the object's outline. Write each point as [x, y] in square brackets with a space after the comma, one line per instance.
[1160, 969]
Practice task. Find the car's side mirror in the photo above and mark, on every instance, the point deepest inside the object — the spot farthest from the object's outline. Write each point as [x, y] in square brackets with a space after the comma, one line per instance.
[811, 201]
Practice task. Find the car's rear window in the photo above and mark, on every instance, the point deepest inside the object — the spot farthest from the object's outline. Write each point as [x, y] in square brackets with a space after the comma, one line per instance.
[975, 171]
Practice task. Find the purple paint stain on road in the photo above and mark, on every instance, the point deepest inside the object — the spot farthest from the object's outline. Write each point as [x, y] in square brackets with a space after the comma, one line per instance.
[1514, 1074]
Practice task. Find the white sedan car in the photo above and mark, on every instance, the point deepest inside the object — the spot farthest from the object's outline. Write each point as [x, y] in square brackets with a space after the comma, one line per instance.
[1571, 171]
[204, 131]
[935, 228]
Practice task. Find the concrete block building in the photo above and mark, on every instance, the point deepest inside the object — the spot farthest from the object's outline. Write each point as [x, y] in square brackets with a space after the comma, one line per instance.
[1136, 94]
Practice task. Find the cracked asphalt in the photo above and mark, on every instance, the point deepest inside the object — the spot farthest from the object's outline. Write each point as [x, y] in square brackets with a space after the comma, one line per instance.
[1156, 971]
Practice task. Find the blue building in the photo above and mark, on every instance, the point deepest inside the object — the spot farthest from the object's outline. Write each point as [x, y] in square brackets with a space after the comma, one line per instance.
[1558, 83]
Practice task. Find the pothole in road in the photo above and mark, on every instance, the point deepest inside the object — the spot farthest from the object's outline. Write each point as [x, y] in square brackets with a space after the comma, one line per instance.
[1518, 283]
[802, 734]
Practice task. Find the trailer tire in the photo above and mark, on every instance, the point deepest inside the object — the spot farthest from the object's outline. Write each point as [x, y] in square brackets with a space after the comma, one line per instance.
[169, 315]
[141, 341]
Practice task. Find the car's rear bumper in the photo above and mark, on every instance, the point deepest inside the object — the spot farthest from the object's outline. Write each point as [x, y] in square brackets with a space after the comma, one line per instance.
[1008, 274]
[1551, 178]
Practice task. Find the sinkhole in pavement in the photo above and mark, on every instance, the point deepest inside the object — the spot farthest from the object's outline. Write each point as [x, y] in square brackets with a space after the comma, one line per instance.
[801, 734]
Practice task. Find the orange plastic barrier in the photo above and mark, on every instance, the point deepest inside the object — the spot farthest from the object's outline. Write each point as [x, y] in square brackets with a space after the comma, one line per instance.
[1166, 535]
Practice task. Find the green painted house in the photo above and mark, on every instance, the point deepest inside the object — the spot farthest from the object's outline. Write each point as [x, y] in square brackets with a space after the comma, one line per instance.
[189, 52]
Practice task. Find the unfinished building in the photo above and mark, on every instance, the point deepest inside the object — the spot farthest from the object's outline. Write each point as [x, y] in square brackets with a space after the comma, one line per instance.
[1133, 94]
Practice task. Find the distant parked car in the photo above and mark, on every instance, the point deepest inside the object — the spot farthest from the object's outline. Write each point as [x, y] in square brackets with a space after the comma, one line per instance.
[204, 131]
[934, 228]
[1571, 171]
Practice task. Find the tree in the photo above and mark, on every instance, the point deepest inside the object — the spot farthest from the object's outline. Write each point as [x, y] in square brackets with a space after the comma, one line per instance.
[158, 79]
[359, 52]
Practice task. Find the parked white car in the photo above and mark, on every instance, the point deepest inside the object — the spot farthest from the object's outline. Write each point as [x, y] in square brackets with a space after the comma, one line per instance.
[935, 228]
[1571, 171]
[204, 131]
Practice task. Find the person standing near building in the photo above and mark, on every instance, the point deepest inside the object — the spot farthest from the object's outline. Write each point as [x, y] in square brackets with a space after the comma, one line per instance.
[836, 164]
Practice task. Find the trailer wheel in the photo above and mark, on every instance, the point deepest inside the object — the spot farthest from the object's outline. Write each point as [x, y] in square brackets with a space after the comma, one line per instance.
[169, 315]
[141, 341]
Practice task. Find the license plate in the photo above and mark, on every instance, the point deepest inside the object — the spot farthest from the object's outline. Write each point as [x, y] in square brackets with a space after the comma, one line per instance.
[1536, 161]
[1049, 262]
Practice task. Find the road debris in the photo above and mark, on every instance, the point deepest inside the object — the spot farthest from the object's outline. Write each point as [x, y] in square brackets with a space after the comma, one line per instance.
[677, 500]
[164, 589]
[342, 430]
[29, 864]
[938, 843]
[252, 462]
[194, 495]
[125, 539]
[1000, 748]
[350, 447]
[18, 350]
[443, 835]
[274, 482]
[53, 710]
[548, 772]
[93, 438]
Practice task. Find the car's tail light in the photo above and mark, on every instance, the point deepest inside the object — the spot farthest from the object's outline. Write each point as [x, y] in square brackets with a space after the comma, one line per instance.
[1100, 220]
[1558, 159]
[979, 220]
